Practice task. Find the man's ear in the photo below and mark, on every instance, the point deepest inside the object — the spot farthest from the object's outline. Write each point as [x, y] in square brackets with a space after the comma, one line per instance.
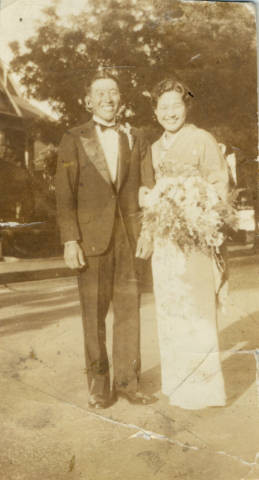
[88, 104]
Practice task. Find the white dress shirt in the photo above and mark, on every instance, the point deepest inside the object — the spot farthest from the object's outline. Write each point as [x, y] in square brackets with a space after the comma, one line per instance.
[109, 140]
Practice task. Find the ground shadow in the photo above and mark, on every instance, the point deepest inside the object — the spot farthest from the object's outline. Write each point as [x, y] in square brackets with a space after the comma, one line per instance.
[60, 306]
[37, 299]
[36, 320]
[239, 369]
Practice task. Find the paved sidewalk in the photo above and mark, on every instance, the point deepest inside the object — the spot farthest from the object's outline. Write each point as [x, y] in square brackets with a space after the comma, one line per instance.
[47, 431]
[22, 270]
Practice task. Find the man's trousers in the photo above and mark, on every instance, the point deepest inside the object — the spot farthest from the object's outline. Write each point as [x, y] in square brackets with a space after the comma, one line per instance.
[111, 278]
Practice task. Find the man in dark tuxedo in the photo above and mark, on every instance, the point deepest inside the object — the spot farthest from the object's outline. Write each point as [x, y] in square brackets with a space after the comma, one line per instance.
[99, 173]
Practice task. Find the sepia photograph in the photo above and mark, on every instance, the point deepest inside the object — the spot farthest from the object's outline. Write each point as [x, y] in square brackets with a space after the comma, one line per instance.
[129, 244]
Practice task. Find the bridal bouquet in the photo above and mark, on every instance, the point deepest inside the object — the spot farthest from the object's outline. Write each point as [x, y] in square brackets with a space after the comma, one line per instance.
[187, 211]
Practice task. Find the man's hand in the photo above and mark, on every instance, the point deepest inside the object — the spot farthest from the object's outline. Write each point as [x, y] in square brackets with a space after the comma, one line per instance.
[144, 249]
[73, 255]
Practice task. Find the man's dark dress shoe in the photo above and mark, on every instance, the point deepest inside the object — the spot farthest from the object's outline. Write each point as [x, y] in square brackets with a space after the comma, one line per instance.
[98, 402]
[137, 398]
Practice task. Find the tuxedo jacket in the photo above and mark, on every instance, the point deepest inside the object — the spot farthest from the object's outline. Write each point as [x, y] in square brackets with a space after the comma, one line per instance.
[87, 200]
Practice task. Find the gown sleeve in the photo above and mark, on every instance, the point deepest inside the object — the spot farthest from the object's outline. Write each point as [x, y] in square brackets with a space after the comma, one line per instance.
[213, 165]
[214, 168]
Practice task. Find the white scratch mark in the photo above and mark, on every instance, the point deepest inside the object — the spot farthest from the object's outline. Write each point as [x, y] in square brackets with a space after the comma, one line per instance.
[16, 224]
[195, 57]
[251, 471]
[234, 457]
[147, 435]
[143, 433]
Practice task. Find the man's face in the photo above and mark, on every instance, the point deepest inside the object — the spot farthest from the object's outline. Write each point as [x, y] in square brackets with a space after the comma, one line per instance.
[104, 98]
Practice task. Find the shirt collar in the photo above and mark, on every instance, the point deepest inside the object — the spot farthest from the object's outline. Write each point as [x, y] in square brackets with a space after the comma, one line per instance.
[103, 122]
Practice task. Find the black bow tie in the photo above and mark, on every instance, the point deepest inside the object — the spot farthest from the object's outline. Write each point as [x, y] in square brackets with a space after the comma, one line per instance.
[107, 127]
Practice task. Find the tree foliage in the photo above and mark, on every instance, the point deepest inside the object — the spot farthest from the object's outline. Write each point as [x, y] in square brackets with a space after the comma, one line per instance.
[211, 45]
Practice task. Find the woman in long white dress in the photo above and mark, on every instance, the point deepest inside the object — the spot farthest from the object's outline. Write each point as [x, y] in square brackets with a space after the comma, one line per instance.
[185, 286]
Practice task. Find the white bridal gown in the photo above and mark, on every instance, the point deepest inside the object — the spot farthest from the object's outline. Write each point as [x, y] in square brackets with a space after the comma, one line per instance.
[185, 288]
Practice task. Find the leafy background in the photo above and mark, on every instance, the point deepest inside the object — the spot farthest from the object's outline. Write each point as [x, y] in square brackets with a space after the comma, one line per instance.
[211, 45]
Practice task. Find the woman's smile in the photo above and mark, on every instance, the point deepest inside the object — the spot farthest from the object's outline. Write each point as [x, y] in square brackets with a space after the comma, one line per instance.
[171, 111]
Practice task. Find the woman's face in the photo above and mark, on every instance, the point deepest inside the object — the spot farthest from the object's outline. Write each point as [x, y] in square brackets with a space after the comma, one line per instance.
[171, 111]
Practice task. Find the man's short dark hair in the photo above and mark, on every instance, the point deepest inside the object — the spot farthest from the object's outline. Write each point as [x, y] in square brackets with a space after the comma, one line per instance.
[101, 75]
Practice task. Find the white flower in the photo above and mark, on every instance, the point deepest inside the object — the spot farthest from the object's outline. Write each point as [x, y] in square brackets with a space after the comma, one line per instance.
[212, 196]
[213, 218]
[164, 183]
[193, 213]
[179, 196]
[215, 239]
[193, 219]
[189, 182]
[127, 130]
[152, 197]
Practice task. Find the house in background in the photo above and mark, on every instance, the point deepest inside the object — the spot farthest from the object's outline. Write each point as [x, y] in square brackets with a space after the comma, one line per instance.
[17, 116]
[21, 146]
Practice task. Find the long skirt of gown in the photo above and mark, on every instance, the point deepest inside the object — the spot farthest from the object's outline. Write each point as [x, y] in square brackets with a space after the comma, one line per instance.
[185, 299]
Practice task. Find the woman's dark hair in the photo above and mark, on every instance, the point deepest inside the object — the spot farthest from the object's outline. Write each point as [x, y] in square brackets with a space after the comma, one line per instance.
[168, 85]
[100, 75]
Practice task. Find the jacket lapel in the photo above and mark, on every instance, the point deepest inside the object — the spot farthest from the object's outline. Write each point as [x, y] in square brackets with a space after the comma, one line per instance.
[94, 151]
